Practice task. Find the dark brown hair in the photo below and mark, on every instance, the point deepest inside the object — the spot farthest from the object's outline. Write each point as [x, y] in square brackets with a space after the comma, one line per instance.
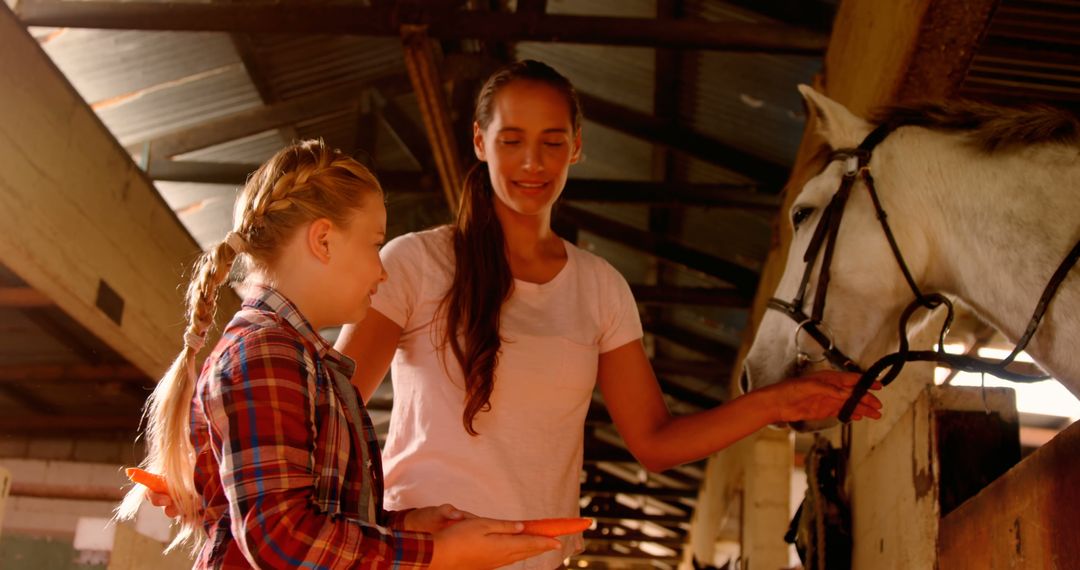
[482, 281]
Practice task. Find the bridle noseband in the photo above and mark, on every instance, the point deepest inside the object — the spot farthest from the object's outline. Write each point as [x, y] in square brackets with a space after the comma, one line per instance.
[823, 243]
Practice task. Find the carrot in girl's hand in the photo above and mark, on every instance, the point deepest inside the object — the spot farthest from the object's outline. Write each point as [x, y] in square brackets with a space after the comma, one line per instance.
[154, 482]
[555, 527]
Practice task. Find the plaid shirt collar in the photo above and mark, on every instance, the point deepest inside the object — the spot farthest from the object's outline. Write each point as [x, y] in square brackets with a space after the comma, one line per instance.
[264, 298]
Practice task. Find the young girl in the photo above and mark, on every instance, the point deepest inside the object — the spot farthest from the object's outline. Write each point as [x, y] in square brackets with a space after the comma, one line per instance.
[496, 332]
[270, 456]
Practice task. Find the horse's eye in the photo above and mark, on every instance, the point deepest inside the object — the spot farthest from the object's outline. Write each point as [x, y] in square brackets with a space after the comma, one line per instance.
[800, 215]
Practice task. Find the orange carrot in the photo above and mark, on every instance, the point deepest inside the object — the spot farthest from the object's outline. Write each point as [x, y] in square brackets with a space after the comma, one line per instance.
[556, 527]
[154, 482]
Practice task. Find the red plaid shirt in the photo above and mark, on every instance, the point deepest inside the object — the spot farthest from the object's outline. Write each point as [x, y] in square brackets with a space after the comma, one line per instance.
[287, 460]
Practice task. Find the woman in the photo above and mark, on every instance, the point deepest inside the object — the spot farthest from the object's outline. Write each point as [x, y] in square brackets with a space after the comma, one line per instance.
[496, 331]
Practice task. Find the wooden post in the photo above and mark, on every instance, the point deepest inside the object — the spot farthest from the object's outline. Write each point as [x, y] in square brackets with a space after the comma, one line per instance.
[5, 488]
[79, 222]
[424, 73]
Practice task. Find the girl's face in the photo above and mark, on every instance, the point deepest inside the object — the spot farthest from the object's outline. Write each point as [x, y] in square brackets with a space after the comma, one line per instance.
[529, 145]
[354, 263]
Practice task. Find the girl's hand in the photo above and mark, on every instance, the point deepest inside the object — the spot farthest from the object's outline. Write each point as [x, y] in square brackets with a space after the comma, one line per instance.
[483, 544]
[820, 396]
[164, 501]
[434, 519]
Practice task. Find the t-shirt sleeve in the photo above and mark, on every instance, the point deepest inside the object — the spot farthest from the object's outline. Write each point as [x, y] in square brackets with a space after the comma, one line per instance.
[397, 296]
[623, 323]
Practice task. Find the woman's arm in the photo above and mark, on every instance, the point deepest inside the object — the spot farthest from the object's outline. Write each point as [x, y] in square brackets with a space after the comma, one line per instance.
[660, 441]
[371, 343]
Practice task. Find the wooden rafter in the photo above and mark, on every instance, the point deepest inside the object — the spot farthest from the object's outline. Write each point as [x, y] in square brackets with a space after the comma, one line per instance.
[531, 6]
[442, 23]
[71, 373]
[22, 298]
[703, 369]
[40, 424]
[692, 340]
[674, 295]
[741, 277]
[624, 488]
[82, 224]
[735, 196]
[420, 59]
[688, 395]
[671, 194]
[768, 174]
[29, 399]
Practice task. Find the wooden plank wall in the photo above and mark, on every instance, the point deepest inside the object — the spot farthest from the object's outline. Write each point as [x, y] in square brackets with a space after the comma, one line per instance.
[1025, 519]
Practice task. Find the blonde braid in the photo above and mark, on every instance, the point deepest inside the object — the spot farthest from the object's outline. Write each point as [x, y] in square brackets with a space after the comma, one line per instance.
[167, 412]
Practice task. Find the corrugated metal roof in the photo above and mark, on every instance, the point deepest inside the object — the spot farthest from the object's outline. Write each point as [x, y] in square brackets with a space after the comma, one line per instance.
[748, 100]
[296, 65]
[622, 75]
[226, 91]
[253, 149]
[612, 155]
[106, 64]
[204, 209]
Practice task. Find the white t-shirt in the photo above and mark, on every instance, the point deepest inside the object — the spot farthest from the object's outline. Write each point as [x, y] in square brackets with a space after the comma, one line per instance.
[526, 462]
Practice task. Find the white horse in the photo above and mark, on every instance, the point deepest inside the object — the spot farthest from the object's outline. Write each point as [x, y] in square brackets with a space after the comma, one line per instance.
[984, 203]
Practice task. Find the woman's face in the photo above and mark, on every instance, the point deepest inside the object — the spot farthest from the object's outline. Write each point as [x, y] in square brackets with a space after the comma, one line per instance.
[529, 145]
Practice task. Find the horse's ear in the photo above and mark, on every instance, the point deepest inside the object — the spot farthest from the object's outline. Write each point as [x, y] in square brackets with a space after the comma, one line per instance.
[840, 127]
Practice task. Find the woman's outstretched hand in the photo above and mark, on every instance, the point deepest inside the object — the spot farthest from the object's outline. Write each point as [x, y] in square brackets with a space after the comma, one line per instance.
[820, 396]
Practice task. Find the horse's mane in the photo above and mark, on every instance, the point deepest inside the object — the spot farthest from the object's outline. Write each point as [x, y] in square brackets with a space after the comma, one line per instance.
[991, 127]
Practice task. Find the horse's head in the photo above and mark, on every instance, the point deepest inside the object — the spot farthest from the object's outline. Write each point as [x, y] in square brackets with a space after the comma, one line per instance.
[867, 291]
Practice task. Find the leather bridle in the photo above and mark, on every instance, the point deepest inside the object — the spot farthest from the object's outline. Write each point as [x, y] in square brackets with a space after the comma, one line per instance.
[823, 243]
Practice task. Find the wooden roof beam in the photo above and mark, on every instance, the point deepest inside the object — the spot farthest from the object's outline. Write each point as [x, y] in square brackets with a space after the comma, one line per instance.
[442, 23]
[420, 59]
[579, 189]
[692, 340]
[107, 249]
[702, 369]
[705, 296]
[769, 174]
[742, 278]
[71, 373]
[66, 424]
[22, 298]
[740, 196]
